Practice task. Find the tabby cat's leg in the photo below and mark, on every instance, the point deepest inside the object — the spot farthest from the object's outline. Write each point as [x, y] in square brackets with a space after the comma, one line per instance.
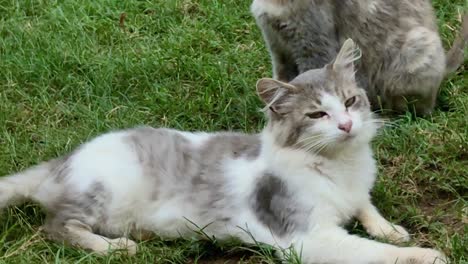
[413, 78]
[335, 245]
[377, 226]
[284, 67]
[141, 234]
[81, 235]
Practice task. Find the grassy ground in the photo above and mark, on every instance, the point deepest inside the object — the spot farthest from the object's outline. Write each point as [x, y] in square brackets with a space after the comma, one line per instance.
[69, 71]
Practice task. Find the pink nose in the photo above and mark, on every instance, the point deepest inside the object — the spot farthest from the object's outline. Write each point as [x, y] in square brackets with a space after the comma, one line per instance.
[346, 126]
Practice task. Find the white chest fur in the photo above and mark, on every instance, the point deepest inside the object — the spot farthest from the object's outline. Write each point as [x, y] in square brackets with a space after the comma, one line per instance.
[335, 189]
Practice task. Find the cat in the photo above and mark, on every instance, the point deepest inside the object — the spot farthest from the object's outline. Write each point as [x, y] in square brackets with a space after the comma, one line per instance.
[294, 184]
[403, 63]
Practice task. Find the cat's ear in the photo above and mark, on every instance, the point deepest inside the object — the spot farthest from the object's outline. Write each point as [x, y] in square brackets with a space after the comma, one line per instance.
[274, 93]
[344, 62]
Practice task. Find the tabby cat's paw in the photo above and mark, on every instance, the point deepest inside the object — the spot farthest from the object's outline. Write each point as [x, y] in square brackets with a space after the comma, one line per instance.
[397, 234]
[393, 233]
[123, 245]
[416, 255]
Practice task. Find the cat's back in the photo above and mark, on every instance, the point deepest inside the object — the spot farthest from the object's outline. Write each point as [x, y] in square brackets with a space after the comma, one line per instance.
[115, 157]
[159, 154]
[231, 145]
[372, 23]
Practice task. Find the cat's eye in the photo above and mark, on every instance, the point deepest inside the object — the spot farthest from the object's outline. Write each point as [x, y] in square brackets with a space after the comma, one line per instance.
[350, 101]
[316, 115]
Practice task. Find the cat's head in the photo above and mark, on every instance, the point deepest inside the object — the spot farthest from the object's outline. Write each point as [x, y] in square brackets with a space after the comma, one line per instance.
[321, 110]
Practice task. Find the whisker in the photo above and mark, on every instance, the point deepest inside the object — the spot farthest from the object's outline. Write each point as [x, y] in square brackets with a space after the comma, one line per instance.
[381, 123]
[308, 138]
[321, 148]
[310, 147]
[311, 144]
[307, 144]
[320, 145]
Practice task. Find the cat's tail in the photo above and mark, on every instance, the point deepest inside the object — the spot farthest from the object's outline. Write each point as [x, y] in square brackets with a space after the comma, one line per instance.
[22, 186]
[456, 55]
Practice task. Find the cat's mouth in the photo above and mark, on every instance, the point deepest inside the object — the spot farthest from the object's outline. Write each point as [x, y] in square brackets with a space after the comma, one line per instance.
[347, 137]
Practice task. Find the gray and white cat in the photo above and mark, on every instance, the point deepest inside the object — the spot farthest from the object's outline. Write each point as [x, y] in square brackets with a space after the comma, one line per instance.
[403, 62]
[294, 184]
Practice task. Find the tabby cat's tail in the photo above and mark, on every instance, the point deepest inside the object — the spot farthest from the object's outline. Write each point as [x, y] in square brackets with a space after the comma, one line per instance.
[456, 55]
[22, 186]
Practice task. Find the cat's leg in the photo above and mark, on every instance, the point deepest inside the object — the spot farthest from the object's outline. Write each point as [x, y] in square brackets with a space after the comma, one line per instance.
[376, 225]
[335, 245]
[142, 235]
[79, 234]
[284, 67]
[74, 216]
[415, 73]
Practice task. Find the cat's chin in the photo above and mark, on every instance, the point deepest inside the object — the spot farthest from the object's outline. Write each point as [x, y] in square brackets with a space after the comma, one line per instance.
[347, 137]
[350, 141]
[347, 140]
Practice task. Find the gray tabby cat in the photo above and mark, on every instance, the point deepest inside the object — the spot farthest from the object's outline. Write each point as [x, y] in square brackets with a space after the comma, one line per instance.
[403, 62]
[294, 184]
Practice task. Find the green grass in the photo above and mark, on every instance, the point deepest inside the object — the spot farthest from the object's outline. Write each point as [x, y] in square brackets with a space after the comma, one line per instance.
[69, 71]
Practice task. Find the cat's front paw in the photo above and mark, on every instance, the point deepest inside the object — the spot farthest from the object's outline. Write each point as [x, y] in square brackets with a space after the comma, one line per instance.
[123, 245]
[397, 234]
[393, 233]
[416, 255]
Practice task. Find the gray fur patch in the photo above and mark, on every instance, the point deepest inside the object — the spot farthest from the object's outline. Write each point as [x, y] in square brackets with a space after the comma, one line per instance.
[88, 208]
[208, 185]
[162, 155]
[275, 206]
[175, 166]
[167, 157]
[60, 167]
[237, 145]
